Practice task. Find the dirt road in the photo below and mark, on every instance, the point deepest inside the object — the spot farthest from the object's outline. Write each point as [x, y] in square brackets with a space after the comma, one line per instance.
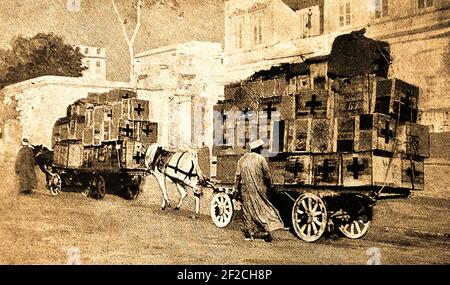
[37, 229]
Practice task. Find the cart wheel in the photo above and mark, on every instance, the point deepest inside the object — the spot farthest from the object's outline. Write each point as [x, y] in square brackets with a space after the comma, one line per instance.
[358, 223]
[221, 209]
[55, 184]
[97, 187]
[309, 217]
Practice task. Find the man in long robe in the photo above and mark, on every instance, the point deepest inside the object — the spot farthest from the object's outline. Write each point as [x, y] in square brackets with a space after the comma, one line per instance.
[253, 182]
[25, 168]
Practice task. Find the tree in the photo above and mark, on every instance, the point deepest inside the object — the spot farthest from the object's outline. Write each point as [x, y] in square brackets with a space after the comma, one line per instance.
[172, 4]
[40, 55]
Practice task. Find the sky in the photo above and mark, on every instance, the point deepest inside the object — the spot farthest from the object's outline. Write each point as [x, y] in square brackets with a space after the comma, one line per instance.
[96, 24]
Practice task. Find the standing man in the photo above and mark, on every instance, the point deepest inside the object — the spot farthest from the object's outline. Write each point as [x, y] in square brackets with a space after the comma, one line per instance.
[252, 183]
[25, 168]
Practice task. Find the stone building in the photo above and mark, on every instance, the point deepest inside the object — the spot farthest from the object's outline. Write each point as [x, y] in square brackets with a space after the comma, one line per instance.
[95, 61]
[184, 81]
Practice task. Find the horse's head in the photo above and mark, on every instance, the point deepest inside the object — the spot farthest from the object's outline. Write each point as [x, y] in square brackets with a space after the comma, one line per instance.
[37, 150]
[151, 155]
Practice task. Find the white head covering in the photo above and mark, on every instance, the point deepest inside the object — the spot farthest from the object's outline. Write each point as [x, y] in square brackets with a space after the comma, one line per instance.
[25, 141]
[256, 144]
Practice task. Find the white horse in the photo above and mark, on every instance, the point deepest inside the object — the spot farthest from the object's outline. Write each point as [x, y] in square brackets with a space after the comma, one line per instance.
[181, 168]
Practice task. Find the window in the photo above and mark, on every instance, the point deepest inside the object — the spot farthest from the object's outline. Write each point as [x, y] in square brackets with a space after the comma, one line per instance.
[345, 14]
[98, 51]
[86, 50]
[381, 8]
[257, 32]
[98, 63]
[239, 36]
[425, 4]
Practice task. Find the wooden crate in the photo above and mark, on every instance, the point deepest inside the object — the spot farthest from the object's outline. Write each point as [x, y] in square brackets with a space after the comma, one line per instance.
[321, 135]
[298, 83]
[312, 104]
[326, 169]
[76, 155]
[374, 132]
[133, 155]
[226, 168]
[413, 174]
[277, 171]
[298, 170]
[394, 96]
[88, 156]
[76, 128]
[369, 169]
[147, 132]
[299, 138]
[78, 108]
[61, 152]
[354, 96]
[88, 136]
[135, 110]
[344, 134]
[414, 140]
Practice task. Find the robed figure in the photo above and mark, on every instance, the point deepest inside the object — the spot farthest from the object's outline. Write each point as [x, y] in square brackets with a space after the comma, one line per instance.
[253, 182]
[25, 168]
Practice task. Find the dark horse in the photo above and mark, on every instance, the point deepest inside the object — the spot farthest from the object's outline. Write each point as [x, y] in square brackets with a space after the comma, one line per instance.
[44, 160]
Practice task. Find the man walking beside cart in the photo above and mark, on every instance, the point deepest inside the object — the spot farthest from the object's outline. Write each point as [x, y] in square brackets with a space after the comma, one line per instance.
[24, 168]
[252, 183]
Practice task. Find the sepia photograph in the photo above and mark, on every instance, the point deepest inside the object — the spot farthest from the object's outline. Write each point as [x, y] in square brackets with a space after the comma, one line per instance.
[225, 132]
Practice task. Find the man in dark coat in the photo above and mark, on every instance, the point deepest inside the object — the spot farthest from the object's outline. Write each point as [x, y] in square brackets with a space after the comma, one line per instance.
[253, 182]
[25, 168]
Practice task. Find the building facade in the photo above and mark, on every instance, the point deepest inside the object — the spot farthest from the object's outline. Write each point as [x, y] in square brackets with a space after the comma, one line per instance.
[184, 82]
[417, 31]
[95, 61]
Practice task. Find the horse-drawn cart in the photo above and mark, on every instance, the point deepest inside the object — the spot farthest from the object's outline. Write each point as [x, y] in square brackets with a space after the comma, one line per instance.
[338, 136]
[101, 144]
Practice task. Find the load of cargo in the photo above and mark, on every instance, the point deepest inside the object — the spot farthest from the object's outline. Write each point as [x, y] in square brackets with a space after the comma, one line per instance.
[330, 123]
[104, 133]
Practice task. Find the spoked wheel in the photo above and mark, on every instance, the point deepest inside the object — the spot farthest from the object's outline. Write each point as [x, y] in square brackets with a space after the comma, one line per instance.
[97, 187]
[55, 184]
[309, 217]
[357, 224]
[221, 209]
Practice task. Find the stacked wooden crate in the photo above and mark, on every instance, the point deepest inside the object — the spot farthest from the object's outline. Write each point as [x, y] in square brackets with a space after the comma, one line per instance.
[353, 131]
[104, 131]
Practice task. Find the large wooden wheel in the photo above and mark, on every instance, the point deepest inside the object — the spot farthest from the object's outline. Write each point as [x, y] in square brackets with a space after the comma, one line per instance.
[309, 217]
[221, 209]
[97, 187]
[357, 222]
[55, 184]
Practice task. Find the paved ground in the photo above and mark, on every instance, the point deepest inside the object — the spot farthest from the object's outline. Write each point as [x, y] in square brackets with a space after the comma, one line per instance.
[37, 229]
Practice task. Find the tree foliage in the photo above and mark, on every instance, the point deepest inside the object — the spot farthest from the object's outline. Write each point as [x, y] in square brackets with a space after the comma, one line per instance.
[40, 55]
